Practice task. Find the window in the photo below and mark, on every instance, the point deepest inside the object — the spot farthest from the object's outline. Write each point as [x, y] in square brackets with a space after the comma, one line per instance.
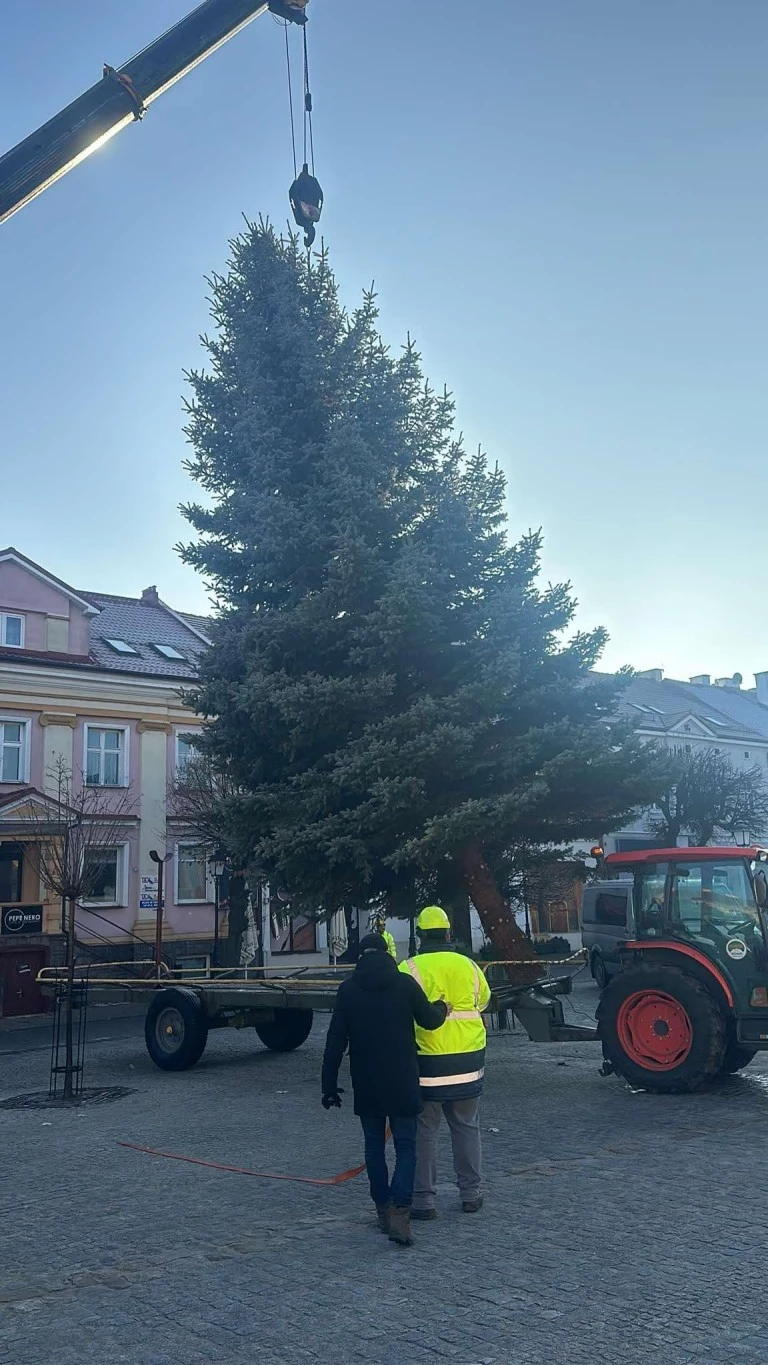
[13, 751]
[11, 630]
[192, 966]
[191, 874]
[168, 652]
[746, 753]
[102, 876]
[121, 647]
[297, 935]
[650, 912]
[105, 757]
[11, 864]
[610, 909]
[185, 750]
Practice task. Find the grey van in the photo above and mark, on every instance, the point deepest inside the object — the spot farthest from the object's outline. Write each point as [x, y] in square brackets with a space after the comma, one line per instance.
[607, 920]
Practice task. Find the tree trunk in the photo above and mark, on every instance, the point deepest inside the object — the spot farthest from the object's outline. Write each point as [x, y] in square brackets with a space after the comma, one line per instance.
[237, 897]
[452, 895]
[69, 1051]
[496, 917]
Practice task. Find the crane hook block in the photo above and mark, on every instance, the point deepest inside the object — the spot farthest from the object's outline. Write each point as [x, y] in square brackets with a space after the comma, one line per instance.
[306, 198]
[292, 10]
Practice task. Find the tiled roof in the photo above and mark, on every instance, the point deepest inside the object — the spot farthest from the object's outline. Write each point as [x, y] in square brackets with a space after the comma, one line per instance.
[653, 705]
[142, 626]
[202, 623]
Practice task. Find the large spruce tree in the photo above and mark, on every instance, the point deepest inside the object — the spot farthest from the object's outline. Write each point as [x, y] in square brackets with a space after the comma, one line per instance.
[391, 688]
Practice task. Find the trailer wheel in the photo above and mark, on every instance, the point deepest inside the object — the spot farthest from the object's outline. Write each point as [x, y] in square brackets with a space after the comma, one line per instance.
[737, 1056]
[661, 1029]
[175, 1029]
[288, 1030]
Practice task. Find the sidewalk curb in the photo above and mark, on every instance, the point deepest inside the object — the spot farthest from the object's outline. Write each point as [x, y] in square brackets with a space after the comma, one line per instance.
[124, 1010]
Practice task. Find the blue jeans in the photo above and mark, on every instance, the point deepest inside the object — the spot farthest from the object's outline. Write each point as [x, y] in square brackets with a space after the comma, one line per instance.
[400, 1190]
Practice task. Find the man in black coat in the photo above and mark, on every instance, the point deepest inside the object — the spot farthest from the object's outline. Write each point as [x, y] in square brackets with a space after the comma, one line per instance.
[376, 1008]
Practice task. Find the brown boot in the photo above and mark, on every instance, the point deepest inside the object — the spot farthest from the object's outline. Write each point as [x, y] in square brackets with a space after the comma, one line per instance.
[382, 1216]
[400, 1226]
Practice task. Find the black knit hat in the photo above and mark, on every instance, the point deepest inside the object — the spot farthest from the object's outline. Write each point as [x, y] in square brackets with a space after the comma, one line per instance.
[372, 943]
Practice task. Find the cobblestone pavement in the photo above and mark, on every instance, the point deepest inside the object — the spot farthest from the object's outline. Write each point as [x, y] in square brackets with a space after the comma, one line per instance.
[618, 1227]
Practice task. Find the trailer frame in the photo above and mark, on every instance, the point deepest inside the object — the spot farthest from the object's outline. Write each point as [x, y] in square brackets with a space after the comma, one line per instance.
[183, 1010]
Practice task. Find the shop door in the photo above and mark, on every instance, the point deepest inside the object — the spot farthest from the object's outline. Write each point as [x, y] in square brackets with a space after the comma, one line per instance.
[19, 991]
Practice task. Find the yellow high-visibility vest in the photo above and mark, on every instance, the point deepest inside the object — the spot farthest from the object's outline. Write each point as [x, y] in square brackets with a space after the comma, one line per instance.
[390, 942]
[452, 1057]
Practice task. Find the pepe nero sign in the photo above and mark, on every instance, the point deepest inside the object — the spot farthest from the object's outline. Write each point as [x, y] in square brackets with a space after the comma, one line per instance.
[18, 919]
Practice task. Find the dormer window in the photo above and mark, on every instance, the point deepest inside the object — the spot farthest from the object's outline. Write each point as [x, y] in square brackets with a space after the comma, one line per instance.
[121, 647]
[11, 630]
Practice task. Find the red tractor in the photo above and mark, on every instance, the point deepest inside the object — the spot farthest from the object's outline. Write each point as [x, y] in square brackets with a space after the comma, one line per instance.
[691, 999]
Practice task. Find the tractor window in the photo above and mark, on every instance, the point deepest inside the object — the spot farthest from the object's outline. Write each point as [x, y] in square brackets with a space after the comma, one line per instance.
[708, 900]
[650, 901]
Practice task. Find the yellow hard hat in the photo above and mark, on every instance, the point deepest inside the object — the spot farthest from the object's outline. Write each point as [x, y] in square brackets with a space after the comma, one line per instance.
[433, 917]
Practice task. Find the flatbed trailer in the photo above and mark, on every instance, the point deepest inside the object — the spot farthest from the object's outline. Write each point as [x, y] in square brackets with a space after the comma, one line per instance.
[182, 1011]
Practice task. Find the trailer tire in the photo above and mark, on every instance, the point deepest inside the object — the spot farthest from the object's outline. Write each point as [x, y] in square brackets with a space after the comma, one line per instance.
[175, 1029]
[737, 1056]
[662, 1029]
[287, 1031]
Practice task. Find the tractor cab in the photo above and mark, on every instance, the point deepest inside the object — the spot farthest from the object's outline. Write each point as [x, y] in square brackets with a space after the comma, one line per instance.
[691, 998]
[710, 900]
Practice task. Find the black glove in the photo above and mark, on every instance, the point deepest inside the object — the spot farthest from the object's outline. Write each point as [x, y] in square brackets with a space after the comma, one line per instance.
[333, 1101]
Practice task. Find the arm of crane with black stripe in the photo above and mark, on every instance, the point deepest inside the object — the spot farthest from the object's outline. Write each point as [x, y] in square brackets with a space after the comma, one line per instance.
[123, 95]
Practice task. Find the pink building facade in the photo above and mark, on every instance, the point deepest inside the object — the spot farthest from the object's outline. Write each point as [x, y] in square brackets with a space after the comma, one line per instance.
[91, 684]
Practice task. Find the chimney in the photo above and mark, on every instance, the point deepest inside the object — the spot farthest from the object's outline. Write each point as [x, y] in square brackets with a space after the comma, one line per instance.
[702, 679]
[652, 674]
[761, 687]
[730, 684]
[149, 597]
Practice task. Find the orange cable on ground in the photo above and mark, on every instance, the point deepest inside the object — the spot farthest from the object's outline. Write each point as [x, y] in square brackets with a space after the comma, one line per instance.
[242, 1170]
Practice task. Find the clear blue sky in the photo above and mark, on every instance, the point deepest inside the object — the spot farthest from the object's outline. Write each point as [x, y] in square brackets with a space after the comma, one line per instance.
[565, 201]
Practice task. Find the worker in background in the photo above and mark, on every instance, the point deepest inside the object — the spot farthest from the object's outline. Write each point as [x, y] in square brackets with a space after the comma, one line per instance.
[451, 1064]
[375, 1013]
[380, 927]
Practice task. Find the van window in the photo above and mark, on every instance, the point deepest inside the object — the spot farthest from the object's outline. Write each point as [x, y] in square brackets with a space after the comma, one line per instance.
[611, 909]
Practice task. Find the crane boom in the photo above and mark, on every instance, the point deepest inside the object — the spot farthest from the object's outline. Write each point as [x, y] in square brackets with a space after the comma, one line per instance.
[121, 96]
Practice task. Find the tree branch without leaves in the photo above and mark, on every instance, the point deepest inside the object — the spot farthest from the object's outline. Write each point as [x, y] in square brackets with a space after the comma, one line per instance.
[711, 798]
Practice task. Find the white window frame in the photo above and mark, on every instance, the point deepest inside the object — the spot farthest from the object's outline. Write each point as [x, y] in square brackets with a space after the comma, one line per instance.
[121, 899]
[14, 616]
[124, 775]
[24, 758]
[190, 843]
[179, 735]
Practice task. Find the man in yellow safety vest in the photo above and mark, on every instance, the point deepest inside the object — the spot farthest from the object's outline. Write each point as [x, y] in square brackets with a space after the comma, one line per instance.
[451, 1064]
[380, 927]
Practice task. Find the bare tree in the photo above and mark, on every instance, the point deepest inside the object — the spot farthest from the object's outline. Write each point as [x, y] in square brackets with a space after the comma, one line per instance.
[201, 799]
[711, 797]
[73, 831]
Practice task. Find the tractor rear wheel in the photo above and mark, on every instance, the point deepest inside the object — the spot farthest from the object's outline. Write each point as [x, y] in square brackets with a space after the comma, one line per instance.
[662, 1029]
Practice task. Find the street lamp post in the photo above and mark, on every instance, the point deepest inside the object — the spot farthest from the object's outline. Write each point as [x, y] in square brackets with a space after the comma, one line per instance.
[217, 865]
[160, 863]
